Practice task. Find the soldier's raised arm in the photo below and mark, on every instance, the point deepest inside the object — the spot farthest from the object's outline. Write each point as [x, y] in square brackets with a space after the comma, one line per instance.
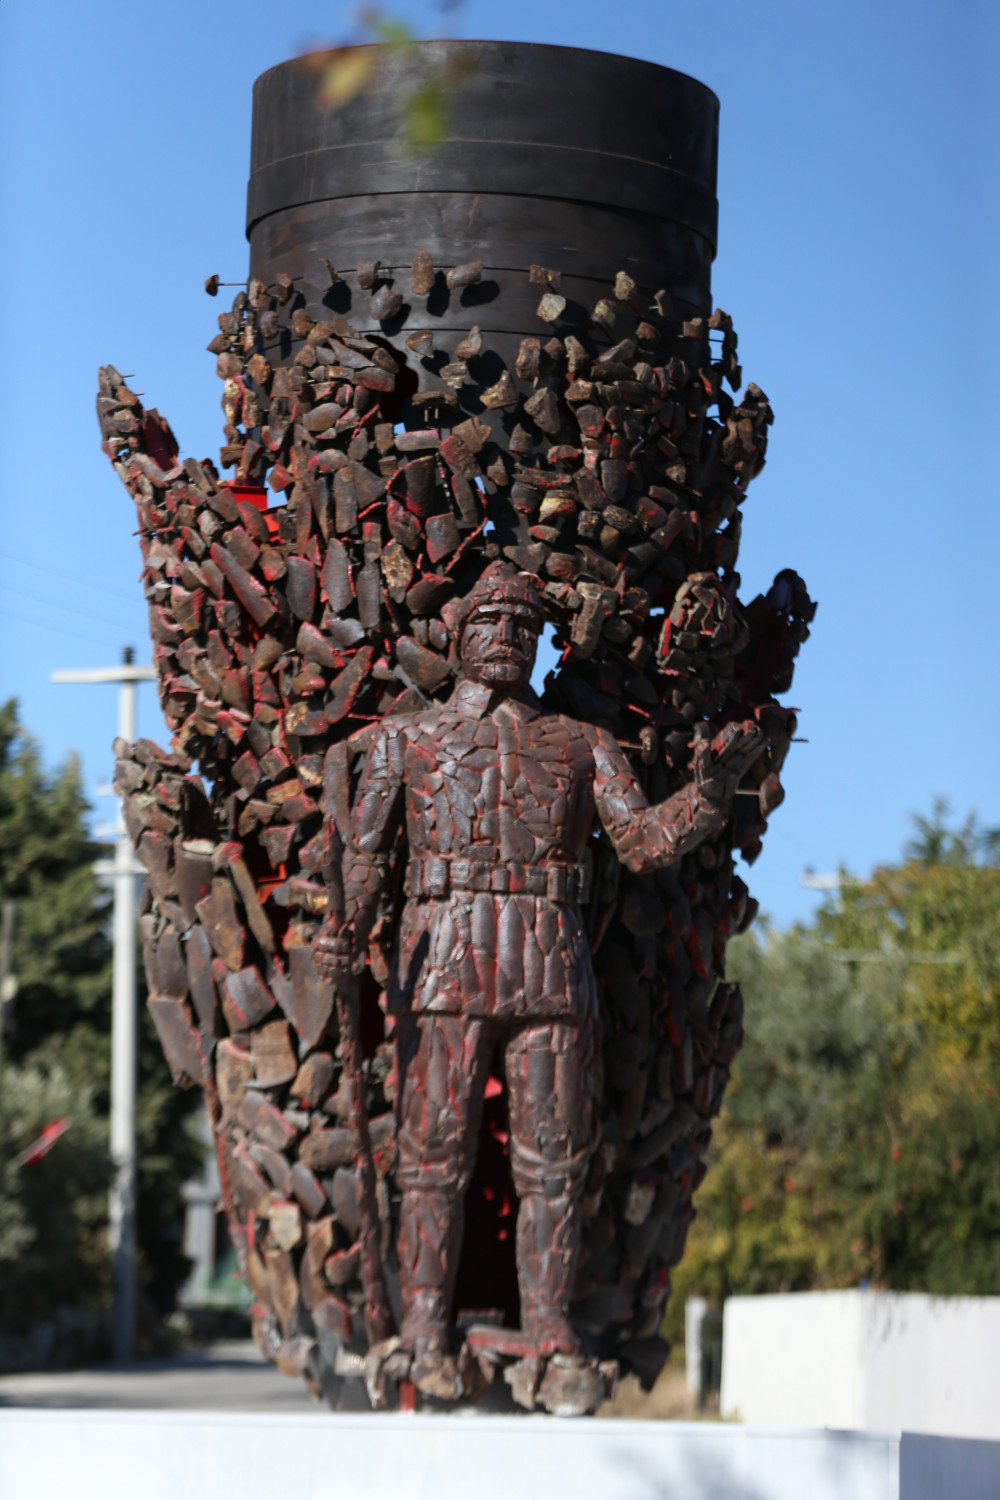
[646, 837]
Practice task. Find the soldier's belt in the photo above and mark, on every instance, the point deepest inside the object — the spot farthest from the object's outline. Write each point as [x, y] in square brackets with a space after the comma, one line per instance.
[436, 875]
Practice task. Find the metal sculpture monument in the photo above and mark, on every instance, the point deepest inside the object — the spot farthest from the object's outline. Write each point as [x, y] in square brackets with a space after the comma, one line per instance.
[440, 950]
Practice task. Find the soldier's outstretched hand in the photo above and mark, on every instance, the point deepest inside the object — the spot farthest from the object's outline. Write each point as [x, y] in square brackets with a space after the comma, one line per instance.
[721, 763]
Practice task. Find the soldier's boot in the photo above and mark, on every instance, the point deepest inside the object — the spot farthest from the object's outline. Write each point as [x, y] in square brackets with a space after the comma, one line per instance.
[430, 1225]
[548, 1232]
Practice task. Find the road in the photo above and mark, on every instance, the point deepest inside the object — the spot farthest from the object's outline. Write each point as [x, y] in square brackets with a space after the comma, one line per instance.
[227, 1376]
[233, 1375]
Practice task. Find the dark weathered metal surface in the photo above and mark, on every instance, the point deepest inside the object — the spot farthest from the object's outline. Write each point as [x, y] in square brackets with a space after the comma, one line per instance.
[523, 118]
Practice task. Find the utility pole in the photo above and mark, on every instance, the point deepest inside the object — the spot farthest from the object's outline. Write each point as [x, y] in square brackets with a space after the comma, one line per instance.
[123, 1023]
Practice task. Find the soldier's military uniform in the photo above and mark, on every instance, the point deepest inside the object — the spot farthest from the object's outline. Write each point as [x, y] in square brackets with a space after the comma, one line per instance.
[498, 797]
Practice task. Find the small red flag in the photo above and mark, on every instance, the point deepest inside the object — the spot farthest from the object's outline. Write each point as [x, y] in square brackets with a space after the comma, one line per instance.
[43, 1145]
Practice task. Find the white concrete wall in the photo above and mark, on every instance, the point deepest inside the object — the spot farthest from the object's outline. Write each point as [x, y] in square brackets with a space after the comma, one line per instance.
[864, 1360]
[793, 1360]
[932, 1364]
[87, 1455]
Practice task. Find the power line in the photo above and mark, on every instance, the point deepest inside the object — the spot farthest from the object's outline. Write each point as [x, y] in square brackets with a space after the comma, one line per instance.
[73, 609]
[888, 955]
[84, 583]
[62, 630]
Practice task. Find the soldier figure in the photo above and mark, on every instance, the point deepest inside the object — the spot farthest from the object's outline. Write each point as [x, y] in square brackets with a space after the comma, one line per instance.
[498, 796]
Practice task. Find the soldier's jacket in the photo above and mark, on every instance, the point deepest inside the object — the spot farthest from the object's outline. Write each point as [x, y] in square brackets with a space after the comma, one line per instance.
[499, 795]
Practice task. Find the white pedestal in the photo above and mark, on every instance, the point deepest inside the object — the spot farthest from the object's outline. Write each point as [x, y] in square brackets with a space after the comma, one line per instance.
[49, 1455]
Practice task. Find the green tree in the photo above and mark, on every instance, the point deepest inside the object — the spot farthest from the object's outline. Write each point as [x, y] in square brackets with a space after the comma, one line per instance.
[53, 1213]
[860, 1139]
[56, 1052]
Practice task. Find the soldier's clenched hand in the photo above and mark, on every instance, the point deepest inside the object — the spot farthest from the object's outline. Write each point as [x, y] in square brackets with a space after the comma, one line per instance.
[721, 763]
[333, 951]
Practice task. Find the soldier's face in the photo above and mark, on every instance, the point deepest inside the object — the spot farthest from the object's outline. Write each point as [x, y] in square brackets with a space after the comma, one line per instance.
[499, 644]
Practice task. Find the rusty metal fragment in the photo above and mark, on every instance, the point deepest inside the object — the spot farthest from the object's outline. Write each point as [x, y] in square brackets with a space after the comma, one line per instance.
[464, 275]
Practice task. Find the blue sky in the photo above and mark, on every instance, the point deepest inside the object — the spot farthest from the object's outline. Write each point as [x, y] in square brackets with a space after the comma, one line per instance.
[857, 184]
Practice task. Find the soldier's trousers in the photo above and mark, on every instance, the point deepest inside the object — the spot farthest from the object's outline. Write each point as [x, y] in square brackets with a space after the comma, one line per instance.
[551, 1068]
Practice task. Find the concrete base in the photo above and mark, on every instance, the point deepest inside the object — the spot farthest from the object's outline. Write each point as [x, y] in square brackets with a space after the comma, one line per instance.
[49, 1455]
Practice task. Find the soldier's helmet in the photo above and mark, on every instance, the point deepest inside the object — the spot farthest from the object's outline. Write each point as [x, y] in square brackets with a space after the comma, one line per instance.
[499, 583]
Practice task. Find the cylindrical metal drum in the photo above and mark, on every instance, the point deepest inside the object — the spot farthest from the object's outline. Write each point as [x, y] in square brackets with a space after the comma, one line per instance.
[583, 162]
